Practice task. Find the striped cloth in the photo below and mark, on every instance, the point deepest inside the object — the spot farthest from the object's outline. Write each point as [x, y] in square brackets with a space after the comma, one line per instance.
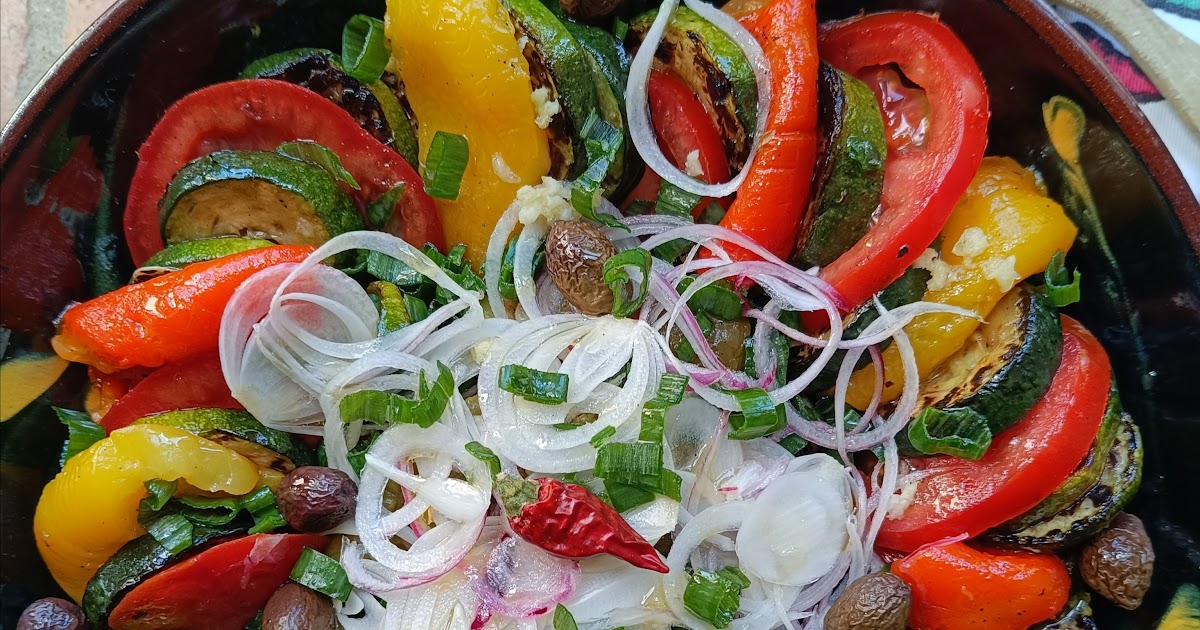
[1181, 140]
[34, 32]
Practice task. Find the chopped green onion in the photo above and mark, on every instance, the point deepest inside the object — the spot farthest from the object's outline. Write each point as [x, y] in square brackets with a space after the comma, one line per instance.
[759, 417]
[365, 52]
[718, 299]
[620, 29]
[565, 426]
[388, 408]
[457, 256]
[959, 432]
[320, 156]
[417, 310]
[262, 507]
[160, 492]
[508, 289]
[715, 597]
[379, 212]
[673, 249]
[393, 270]
[81, 432]
[358, 455]
[563, 619]
[602, 436]
[548, 388]
[445, 164]
[393, 315]
[629, 463]
[616, 277]
[173, 532]
[601, 141]
[671, 388]
[639, 207]
[624, 497]
[1061, 288]
[793, 443]
[485, 455]
[675, 201]
[322, 574]
[654, 420]
[711, 214]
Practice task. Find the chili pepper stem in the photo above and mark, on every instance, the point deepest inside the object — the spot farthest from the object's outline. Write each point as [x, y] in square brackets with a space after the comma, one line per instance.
[515, 493]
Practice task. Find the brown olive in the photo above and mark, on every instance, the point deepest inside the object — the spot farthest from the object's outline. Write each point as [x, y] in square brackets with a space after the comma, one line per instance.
[316, 499]
[51, 613]
[575, 256]
[294, 607]
[589, 10]
[1119, 562]
[876, 601]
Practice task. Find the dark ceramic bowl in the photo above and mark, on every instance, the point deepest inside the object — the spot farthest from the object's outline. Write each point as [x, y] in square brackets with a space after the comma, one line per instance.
[115, 82]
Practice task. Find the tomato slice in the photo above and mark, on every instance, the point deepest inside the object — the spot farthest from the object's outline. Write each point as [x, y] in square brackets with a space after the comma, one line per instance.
[1024, 464]
[261, 114]
[192, 383]
[682, 127]
[221, 588]
[925, 175]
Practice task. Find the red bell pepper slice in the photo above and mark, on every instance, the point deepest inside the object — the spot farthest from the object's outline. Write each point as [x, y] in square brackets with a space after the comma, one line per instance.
[192, 383]
[681, 126]
[1024, 464]
[955, 586]
[772, 200]
[922, 181]
[261, 114]
[221, 588]
[164, 319]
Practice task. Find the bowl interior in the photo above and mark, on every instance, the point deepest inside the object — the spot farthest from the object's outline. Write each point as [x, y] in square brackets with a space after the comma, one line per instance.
[1146, 310]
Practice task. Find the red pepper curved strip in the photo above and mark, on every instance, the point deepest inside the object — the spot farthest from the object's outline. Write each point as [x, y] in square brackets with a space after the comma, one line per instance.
[921, 183]
[164, 319]
[567, 520]
[772, 200]
[192, 383]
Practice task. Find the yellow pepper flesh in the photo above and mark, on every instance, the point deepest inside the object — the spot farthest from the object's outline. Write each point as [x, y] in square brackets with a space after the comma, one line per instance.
[464, 73]
[90, 509]
[1023, 229]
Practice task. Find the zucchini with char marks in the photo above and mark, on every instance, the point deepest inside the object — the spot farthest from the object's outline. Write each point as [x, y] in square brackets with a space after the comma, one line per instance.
[1006, 365]
[714, 67]
[1088, 515]
[561, 66]
[380, 107]
[256, 194]
[848, 179]
[232, 422]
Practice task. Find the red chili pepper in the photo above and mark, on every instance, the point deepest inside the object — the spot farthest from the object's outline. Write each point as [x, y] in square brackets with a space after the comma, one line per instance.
[567, 520]
[167, 318]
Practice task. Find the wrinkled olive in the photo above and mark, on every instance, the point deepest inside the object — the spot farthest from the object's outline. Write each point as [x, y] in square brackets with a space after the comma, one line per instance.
[316, 499]
[876, 601]
[575, 256]
[588, 10]
[51, 613]
[294, 607]
[1119, 562]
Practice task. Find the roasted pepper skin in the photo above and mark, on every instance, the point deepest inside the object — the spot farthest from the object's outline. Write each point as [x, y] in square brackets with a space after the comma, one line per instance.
[1020, 223]
[955, 586]
[464, 73]
[568, 521]
[164, 319]
[90, 509]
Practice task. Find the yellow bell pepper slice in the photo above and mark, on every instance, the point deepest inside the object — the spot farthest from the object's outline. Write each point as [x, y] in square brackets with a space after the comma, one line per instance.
[24, 378]
[1004, 229]
[90, 509]
[464, 73]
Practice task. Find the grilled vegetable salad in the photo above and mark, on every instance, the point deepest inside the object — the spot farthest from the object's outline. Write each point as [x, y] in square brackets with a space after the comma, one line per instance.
[570, 315]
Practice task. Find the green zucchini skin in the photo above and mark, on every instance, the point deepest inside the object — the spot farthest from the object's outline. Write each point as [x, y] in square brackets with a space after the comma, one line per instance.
[714, 67]
[135, 562]
[848, 179]
[908, 288]
[1092, 512]
[236, 422]
[379, 109]
[569, 68]
[1006, 366]
[309, 208]
[1086, 475]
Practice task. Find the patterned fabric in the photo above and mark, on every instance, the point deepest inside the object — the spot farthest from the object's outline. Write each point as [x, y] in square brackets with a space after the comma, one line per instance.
[1181, 140]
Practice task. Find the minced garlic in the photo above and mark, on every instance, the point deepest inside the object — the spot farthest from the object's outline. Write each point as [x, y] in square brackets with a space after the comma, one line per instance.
[549, 199]
[545, 108]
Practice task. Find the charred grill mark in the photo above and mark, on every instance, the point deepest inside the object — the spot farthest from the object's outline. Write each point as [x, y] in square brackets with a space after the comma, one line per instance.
[394, 84]
[560, 131]
[316, 73]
